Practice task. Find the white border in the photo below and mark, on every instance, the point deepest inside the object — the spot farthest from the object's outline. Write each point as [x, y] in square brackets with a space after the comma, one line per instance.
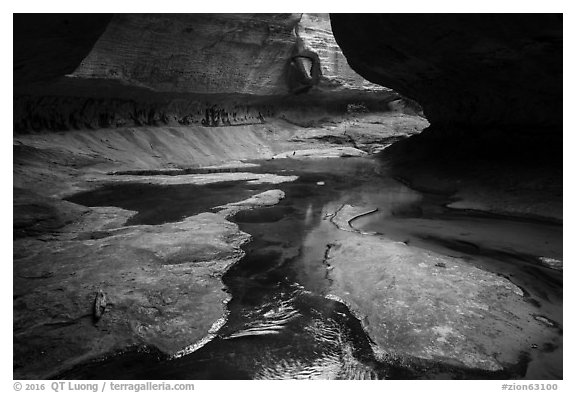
[387, 6]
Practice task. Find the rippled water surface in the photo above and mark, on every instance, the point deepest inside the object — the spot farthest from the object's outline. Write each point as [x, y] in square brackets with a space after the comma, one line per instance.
[281, 325]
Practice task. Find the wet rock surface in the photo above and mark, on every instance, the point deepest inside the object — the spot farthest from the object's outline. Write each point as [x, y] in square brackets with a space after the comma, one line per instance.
[157, 280]
[322, 153]
[342, 217]
[96, 286]
[264, 199]
[415, 303]
[429, 306]
[161, 284]
[410, 312]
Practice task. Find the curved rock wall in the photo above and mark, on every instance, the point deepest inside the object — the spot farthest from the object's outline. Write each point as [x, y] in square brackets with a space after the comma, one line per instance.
[490, 86]
[195, 53]
[471, 70]
[315, 34]
[221, 53]
[182, 69]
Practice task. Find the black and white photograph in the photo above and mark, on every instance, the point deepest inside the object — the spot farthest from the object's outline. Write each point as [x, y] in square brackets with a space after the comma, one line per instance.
[210, 196]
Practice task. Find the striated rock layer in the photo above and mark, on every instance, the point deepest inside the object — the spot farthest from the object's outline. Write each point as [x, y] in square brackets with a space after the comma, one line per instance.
[195, 53]
[315, 34]
[182, 69]
[259, 54]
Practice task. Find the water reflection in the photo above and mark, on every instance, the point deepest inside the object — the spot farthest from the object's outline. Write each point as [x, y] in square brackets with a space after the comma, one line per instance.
[281, 325]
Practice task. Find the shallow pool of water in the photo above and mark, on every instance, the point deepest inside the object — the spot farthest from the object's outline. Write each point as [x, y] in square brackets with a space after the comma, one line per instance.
[281, 325]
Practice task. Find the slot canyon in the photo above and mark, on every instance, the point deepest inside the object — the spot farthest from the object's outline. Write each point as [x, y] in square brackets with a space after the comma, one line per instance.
[287, 196]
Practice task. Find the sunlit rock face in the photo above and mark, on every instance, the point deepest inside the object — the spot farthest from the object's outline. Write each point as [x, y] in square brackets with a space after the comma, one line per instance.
[221, 53]
[315, 34]
[184, 69]
[195, 53]
[471, 70]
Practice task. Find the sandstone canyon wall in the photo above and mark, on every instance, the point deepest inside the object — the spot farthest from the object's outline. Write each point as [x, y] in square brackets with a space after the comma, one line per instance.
[204, 69]
[491, 87]
[466, 70]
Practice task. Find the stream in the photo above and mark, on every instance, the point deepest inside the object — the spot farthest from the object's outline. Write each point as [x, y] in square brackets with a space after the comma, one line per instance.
[281, 325]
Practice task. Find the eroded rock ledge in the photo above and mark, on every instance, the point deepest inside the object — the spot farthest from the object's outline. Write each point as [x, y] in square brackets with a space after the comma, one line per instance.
[423, 305]
[157, 280]
[162, 283]
[209, 70]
